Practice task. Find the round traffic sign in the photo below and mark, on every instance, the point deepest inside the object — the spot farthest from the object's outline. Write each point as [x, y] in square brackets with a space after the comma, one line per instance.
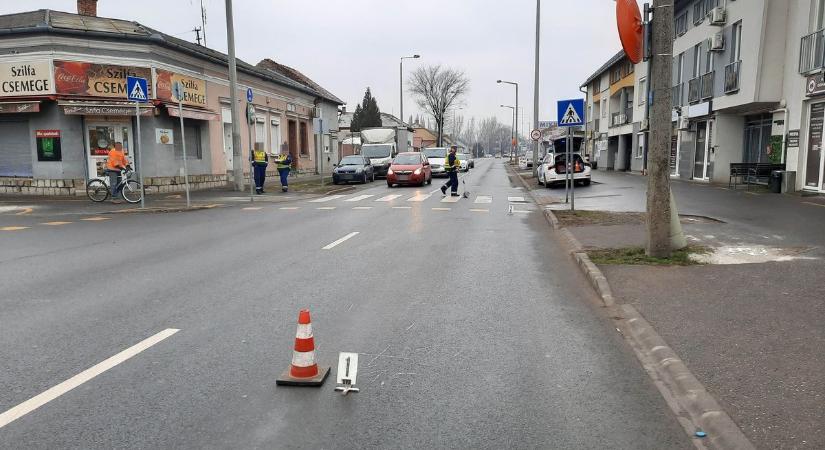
[629, 19]
[535, 135]
[249, 94]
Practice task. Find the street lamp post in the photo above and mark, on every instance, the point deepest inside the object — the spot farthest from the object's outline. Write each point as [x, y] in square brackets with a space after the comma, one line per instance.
[237, 168]
[401, 81]
[512, 127]
[515, 139]
[536, 90]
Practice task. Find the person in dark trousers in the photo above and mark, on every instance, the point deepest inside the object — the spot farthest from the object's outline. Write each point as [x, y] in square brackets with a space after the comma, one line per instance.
[284, 162]
[451, 165]
[115, 163]
[259, 162]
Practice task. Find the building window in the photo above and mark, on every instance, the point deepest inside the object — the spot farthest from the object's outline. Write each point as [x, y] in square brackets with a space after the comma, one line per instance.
[304, 139]
[736, 42]
[640, 149]
[820, 15]
[260, 135]
[699, 12]
[697, 60]
[680, 24]
[604, 108]
[275, 137]
[642, 92]
[192, 136]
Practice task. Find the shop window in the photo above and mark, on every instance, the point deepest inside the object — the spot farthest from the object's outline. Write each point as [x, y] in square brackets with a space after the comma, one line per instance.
[192, 132]
[304, 139]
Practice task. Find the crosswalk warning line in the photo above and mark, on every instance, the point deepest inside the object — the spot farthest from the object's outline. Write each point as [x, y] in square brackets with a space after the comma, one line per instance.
[442, 209]
[450, 199]
[362, 208]
[95, 219]
[289, 208]
[515, 199]
[328, 198]
[402, 207]
[480, 210]
[55, 224]
[13, 228]
[326, 208]
[388, 198]
[359, 198]
[419, 198]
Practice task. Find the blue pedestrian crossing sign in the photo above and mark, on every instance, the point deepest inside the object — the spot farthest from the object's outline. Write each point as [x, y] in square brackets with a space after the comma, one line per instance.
[571, 113]
[137, 89]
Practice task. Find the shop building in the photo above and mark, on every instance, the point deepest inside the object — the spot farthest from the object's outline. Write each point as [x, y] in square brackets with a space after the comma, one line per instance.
[63, 105]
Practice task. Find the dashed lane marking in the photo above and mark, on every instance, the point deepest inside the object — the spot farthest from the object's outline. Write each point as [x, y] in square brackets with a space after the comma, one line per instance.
[24, 212]
[515, 199]
[362, 208]
[521, 212]
[340, 241]
[442, 209]
[359, 198]
[55, 224]
[388, 198]
[328, 198]
[402, 207]
[54, 392]
[95, 219]
[13, 228]
[252, 208]
[290, 208]
[480, 210]
[326, 208]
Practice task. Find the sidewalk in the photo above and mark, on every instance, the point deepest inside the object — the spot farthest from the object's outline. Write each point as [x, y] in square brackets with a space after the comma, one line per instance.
[750, 325]
[302, 187]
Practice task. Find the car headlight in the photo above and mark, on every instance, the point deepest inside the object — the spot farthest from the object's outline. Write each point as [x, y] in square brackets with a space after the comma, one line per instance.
[390, 172]
[417, 171]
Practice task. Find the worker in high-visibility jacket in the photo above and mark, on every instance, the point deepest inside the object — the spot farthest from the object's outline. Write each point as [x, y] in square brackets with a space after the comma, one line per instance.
[451, 165]
[284, 162]
[259, 162]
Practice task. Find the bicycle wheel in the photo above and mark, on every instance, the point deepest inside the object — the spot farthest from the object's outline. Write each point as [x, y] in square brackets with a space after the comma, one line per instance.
[132, 191]
[97, 191]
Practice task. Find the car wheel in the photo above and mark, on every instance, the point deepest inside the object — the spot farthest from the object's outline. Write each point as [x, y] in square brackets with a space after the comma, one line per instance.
[430, 180]
[389, 185]
[586, 182]
[364, 179]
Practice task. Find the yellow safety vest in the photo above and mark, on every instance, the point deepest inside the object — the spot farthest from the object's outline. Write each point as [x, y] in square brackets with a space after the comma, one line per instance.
[456, 165]
[259, 156]
[281, 160]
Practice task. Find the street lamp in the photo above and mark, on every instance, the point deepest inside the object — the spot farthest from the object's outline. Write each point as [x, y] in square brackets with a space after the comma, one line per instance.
[401, 82]
[516, 122]
[512, 127]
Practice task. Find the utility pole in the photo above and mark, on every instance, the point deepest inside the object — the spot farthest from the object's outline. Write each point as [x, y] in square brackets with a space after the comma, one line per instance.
[658, 181]
[203, 23]
[237, 164]
[536, 92]
[197, 34]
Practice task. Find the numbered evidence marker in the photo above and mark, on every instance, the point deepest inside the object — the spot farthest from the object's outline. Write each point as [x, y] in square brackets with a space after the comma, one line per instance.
[347, 370]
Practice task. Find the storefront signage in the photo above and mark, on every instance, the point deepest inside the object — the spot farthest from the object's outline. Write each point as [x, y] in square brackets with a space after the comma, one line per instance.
[194, 89]
[95, 80]
[815, 85]
[19, 107]
[793, 138]
[104, 110]
[164, 136]
[816, 121]
[30, 78]
[48, 145]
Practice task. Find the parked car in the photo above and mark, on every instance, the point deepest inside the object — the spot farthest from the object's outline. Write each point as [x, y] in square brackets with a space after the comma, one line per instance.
[552, 170]
[353, 168]
[436, 157]
[467, 161]
[409, 168]
[525, 161]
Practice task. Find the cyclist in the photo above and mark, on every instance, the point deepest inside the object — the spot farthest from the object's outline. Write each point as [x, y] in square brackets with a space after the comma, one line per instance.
[114, 164]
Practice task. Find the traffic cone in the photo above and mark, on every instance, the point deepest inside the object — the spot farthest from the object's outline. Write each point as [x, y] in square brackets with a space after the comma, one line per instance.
[303, 371]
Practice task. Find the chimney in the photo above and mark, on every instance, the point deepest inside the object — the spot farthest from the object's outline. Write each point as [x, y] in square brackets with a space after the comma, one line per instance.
[87, 7]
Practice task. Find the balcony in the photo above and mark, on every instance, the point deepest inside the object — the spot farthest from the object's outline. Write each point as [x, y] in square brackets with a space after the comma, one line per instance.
[732, 77]
[621, 118]
[676, 95]
[707, 86]
[694, 90]
[812, 52]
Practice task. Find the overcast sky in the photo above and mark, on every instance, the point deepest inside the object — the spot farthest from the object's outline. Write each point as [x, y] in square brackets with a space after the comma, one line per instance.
[347, 46]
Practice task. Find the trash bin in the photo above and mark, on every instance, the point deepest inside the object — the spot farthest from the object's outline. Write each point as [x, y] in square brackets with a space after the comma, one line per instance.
[775, 183]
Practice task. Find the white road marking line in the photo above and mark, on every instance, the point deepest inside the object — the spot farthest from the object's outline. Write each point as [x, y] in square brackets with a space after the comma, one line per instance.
[388, 198]
[13, 228]
[359, 198]
[442, 209]
[521, 212]
[252, 208]
[480, 210]
[326, 208]
[54, 224]
[419, 198]
[95, 219]
[56, 391]
[450, 199]
[484, 199]
[515, 199]
[402, 207]
[343, 239]
[815, 204]
[290, 208]
[361, 208]
[326, 199]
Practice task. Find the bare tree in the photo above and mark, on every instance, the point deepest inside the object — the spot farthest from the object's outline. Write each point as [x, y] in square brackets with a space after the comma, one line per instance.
[437, 89]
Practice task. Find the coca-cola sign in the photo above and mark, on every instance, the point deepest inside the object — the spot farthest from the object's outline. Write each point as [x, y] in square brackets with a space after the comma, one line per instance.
[95, 80]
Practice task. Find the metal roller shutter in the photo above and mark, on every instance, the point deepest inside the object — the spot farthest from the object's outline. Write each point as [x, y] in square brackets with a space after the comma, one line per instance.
[15, 150]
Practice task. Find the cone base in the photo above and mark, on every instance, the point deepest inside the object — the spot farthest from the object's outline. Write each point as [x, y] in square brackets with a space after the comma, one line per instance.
[287, 380]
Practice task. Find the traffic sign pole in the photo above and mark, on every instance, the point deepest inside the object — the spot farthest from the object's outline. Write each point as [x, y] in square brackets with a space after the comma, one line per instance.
[139, 156]
[137, 89]
[177, 92]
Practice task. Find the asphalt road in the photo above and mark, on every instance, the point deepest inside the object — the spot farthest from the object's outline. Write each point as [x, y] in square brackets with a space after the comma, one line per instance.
[474, 329]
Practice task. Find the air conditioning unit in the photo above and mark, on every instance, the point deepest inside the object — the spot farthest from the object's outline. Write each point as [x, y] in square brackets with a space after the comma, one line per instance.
[717, 42]
[718, 15]
[684, 124]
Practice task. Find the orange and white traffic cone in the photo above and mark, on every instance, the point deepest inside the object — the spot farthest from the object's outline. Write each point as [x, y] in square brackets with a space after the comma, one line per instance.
[303, 371]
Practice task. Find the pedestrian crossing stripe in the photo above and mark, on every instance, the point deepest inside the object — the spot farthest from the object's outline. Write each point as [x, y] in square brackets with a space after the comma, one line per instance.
[515, 199]
[358, 198]
[450, 199]
[326, 199]
[571, 116]
[360, 208]
[419, 198]
[442, 209]
[55, 224]
[326, 208]
[137, 93]
[388, 198]
[483, 199]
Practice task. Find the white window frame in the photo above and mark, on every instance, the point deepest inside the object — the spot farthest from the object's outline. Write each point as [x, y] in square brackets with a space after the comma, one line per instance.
[642, 92]
[275, 136]
[736, 41]
[260, 132]
[640, 146]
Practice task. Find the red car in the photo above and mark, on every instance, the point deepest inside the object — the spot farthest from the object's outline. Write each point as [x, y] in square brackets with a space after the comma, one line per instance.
[409, 168]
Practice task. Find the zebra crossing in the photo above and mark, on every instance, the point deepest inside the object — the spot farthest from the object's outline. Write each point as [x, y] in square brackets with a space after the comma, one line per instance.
[480, 203]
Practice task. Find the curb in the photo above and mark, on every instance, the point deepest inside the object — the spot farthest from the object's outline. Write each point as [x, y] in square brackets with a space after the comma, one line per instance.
[678, 382]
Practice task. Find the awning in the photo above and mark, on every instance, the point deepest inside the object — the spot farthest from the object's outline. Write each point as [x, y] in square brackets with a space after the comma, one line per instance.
[19, 107]
[192, 113]
[98, 108]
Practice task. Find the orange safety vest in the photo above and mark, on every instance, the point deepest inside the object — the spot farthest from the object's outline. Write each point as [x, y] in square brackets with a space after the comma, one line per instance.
[116, 160]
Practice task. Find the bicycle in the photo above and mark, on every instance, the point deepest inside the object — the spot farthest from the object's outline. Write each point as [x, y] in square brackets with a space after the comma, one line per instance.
[98, 189]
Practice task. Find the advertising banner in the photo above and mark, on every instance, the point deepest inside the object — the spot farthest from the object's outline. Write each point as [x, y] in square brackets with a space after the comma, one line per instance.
[194, 89]
[95, 80]
[30, 78]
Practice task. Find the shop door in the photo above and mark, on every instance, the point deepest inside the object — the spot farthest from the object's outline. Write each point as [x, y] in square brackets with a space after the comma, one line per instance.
[15, 152]
[101, 137]
[757, 138]
[814, 160]
[700, 158]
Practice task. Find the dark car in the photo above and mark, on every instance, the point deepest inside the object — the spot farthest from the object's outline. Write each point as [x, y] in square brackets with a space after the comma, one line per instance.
[353, 168]
[409, 168]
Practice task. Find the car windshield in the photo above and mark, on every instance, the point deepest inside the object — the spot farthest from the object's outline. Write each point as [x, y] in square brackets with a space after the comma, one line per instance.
[463, 157]
[376, 150]
[407, 160]
[352, 161]
[435, 152]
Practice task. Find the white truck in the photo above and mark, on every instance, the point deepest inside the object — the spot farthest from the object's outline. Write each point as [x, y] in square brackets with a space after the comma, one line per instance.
[379, 145]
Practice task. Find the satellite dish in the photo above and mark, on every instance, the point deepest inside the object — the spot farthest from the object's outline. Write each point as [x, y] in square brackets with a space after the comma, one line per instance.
[629, 20]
